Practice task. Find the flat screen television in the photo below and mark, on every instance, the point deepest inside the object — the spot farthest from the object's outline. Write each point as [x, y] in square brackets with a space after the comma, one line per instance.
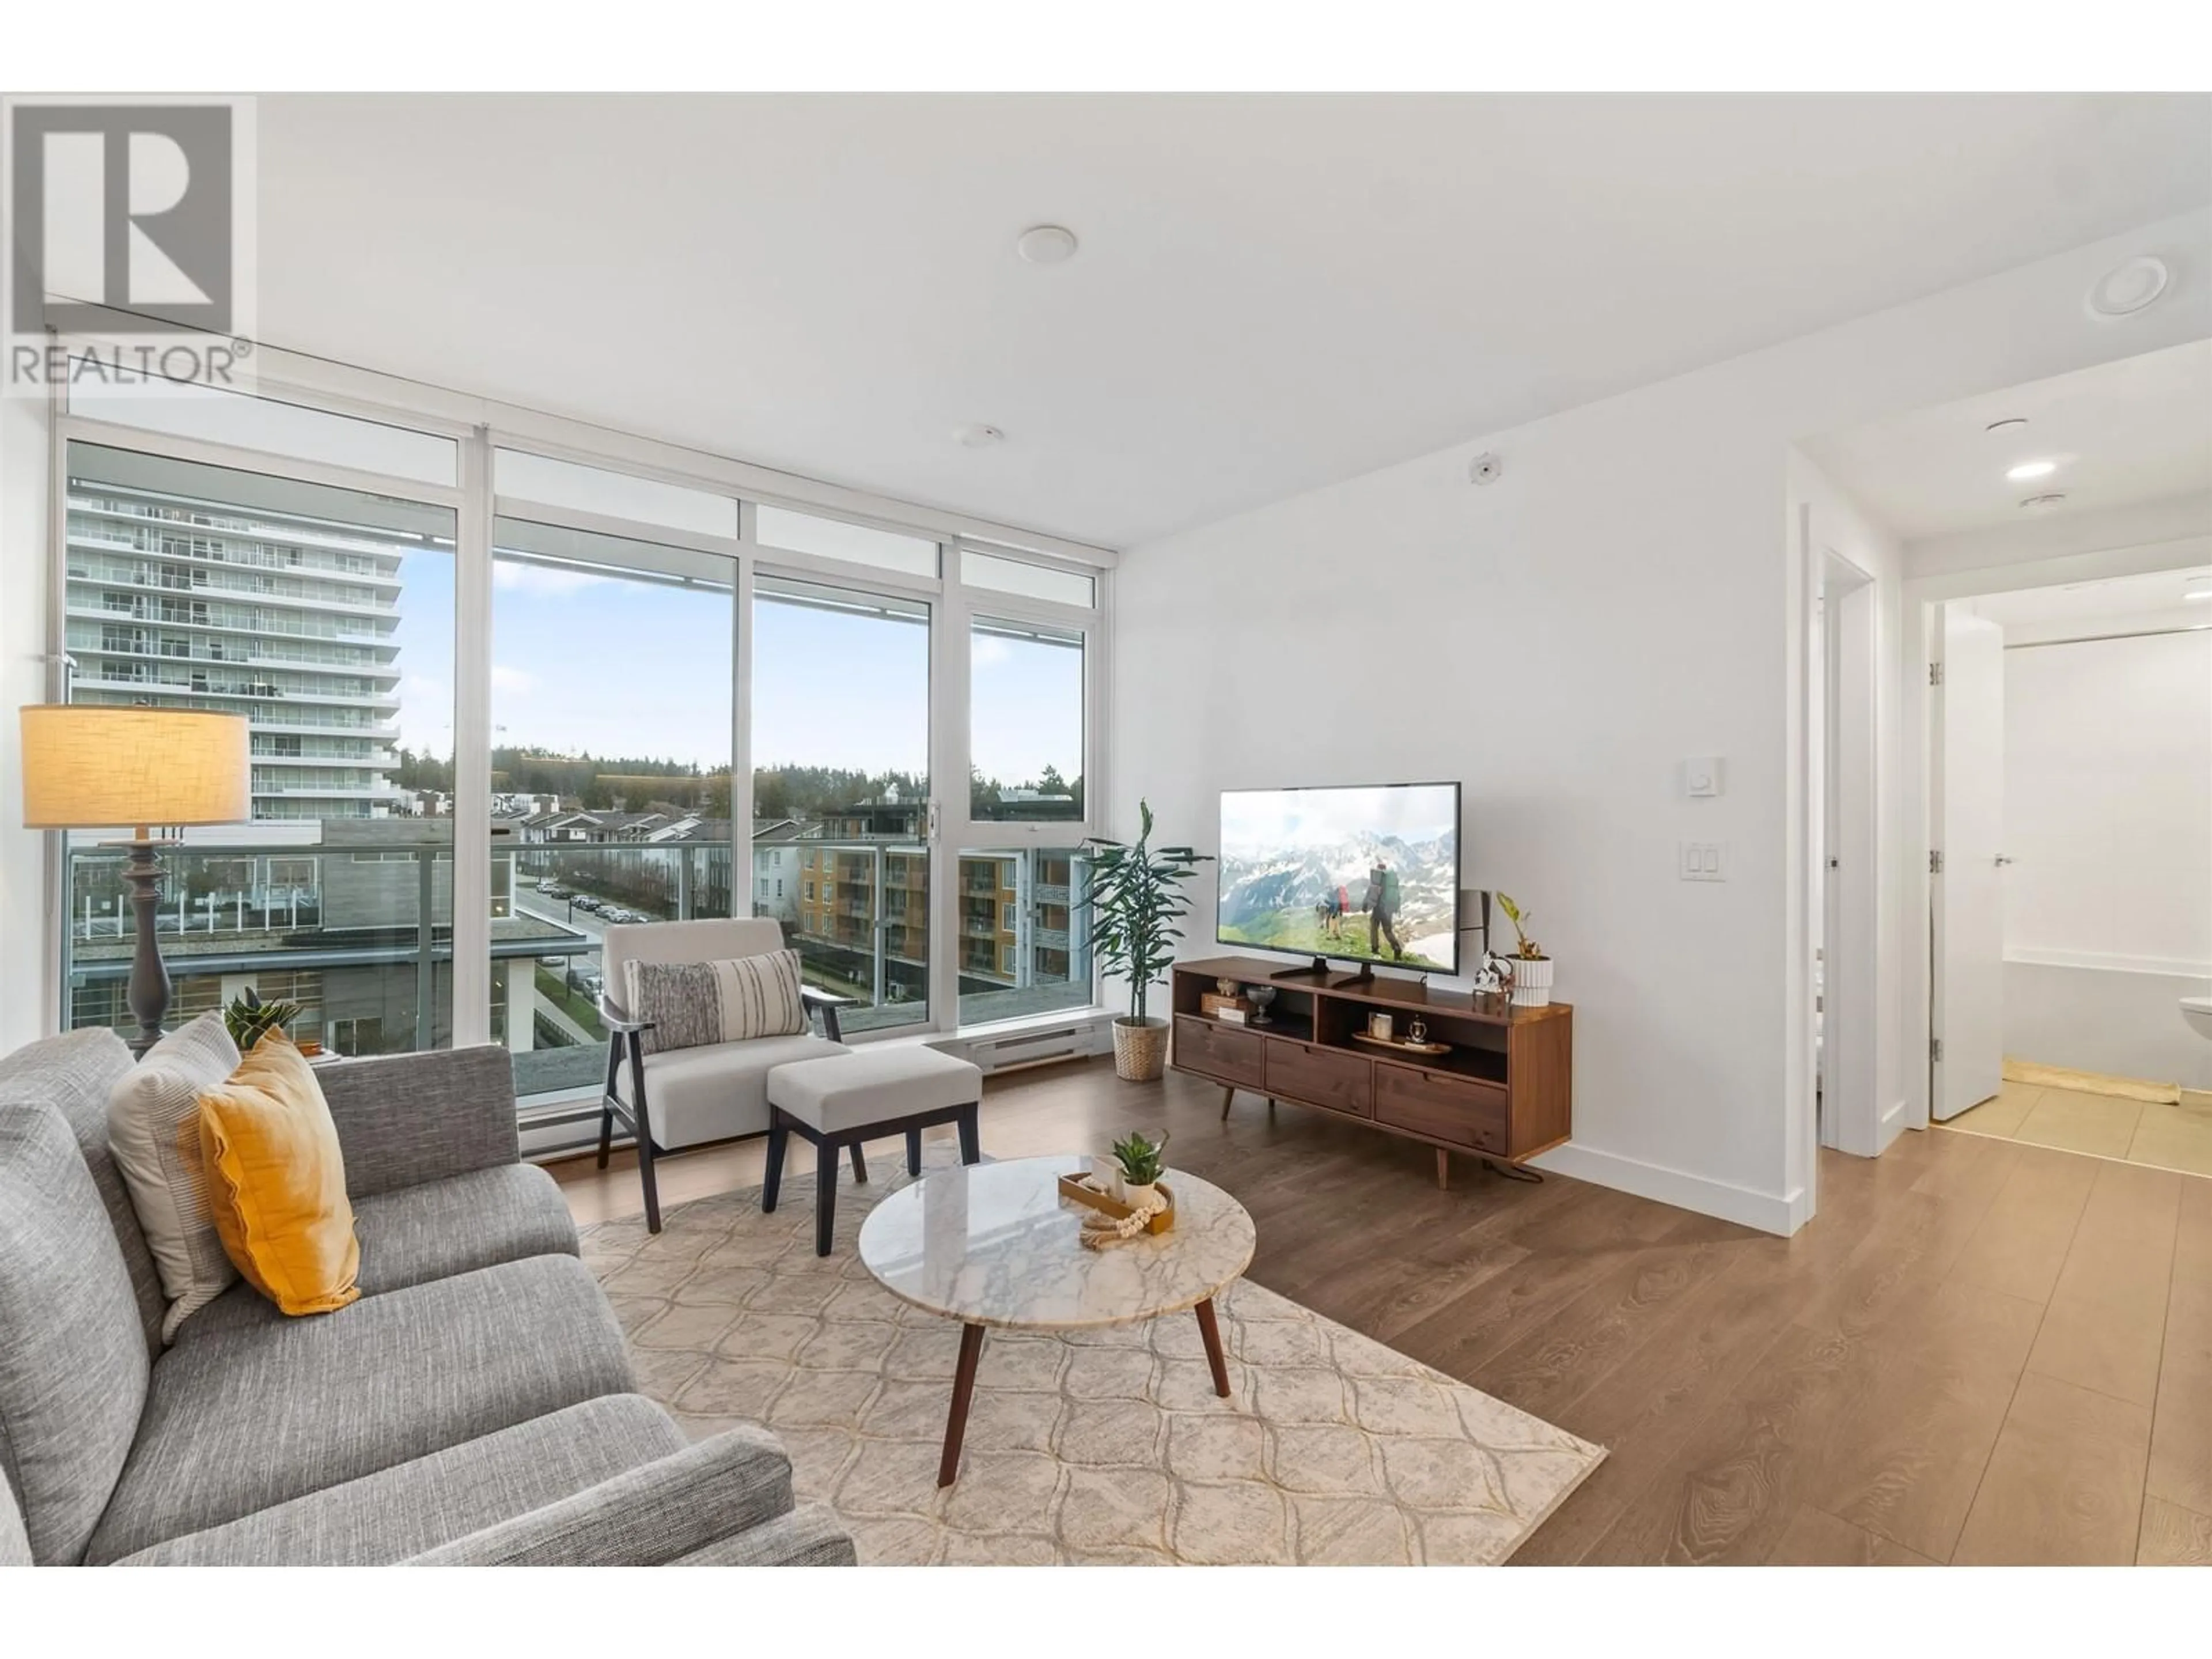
[1361, 873]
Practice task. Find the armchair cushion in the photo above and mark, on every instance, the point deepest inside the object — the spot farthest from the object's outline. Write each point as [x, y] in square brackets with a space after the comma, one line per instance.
[651, 1516]
[435, 1230]
[711, 1093]
[411, 1507]
[241, 1418]
[690, 1005]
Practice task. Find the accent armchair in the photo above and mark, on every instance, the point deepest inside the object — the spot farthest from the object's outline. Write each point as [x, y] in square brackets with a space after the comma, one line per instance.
[683, 1097]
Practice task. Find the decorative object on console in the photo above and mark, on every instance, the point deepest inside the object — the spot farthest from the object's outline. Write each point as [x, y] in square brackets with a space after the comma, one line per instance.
[1231, 1006]
[1381, 1027]
[1136, 900]
[1262, 996]
[1532, 968]
[248, 1018]
[91, 766]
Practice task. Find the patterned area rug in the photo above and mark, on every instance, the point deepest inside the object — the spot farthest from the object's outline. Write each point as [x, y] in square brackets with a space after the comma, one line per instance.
[1102, 1446]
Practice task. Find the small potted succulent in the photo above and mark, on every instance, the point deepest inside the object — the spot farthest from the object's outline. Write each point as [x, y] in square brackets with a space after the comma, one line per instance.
[1139, 1159]
[1532, 968]
[248, 1018]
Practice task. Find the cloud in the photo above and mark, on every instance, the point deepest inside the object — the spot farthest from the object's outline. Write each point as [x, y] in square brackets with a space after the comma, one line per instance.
[504, 678]
[541, 579]
[989, 650]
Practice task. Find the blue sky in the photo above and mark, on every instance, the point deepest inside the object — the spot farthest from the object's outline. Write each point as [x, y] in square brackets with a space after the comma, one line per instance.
[581, 661]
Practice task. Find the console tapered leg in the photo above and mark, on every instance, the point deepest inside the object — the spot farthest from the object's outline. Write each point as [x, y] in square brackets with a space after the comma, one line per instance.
[1209, 1329]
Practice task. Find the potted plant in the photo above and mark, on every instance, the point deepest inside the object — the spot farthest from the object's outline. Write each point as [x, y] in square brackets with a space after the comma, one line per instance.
[248, 1018]
[1532, 968]
[1139, 1159]
[1136, 892]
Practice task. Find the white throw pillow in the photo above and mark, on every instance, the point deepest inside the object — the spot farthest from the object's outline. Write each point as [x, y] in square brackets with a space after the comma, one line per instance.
[154, 1131]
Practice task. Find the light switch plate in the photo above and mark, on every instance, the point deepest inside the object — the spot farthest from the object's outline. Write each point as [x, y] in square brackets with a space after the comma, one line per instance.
[1704, 860]
[1701, 776]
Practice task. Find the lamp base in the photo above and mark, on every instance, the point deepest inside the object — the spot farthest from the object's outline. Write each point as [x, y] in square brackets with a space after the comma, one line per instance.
[147, 993]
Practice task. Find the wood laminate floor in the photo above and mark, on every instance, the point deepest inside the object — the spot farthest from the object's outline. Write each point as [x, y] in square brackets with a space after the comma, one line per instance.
[1982, 1351]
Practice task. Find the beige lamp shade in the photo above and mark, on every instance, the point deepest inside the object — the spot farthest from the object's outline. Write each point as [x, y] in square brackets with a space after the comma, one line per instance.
[86, 767]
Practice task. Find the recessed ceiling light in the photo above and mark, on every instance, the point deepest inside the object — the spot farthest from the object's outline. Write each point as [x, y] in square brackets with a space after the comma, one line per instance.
[1046, 244]
[2127, 289]
[2006, 424]
[2027, 470]
[2038, 502]
[980, 436]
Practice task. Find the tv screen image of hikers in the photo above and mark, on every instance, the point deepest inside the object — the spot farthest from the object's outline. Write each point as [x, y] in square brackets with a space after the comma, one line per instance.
[1362, 874]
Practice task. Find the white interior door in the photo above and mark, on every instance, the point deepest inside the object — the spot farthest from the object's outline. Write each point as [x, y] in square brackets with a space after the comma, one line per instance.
[1968, 891]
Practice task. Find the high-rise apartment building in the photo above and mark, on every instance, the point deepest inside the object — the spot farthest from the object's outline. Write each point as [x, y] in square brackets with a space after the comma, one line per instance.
[284, 617]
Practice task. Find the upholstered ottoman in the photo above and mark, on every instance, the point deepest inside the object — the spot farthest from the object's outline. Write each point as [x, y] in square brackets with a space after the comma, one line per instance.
[841, 1100]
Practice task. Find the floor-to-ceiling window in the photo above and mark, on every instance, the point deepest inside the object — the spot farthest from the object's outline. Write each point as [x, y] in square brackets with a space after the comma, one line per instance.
[586, 656]
[612, 673]
[841, 701]
[324, 616]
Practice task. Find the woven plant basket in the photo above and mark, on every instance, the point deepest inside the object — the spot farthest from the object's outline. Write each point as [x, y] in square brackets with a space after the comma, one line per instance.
[1140, 1052]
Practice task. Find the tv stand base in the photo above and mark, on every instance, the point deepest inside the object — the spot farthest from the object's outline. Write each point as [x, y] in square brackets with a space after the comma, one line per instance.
[1317, 969]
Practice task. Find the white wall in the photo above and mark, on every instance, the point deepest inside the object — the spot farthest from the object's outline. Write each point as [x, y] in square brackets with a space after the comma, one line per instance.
[27, 948]
[2108, 802]
[1628, 594]
[2108, 812]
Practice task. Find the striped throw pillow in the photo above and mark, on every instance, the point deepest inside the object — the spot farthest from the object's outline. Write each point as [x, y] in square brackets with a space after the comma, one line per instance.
[691, 1003]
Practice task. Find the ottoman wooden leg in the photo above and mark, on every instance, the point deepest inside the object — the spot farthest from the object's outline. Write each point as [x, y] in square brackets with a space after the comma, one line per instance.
[971, 1151]
[825, 1195]
[914, 1151]
[859, 1166]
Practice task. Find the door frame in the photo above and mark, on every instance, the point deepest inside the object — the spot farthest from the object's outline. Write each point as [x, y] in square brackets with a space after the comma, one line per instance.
[1841, 695]
[1920, 743]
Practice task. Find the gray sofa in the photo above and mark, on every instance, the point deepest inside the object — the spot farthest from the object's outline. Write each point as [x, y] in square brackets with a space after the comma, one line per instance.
[475, 1406]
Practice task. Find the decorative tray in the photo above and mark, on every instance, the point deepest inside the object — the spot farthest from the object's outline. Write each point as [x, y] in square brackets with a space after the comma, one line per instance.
[1078, 1188]
[1402, 1045]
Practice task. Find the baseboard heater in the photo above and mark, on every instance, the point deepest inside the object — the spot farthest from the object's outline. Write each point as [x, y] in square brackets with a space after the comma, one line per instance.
[1076, 1040]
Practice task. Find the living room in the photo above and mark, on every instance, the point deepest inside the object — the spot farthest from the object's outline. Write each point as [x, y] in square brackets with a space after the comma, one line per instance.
[1414, 1044]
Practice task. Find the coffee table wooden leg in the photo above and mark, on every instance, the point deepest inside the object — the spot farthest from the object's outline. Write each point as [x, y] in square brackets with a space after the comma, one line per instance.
[1210, 1329]
[963, 1390]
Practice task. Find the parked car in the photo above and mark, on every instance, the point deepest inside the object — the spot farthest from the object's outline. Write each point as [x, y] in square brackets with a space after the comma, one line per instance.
[553, 964]
[587, 902]
[552, 888]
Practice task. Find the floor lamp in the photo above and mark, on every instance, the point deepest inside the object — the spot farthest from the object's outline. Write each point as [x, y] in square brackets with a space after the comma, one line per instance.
[88, 766]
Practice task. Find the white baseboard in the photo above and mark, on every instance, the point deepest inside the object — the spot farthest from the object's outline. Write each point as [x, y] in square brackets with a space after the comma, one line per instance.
[1782, 1213]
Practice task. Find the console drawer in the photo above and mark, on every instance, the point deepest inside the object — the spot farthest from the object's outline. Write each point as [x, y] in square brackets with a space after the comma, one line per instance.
[1322, 1076]
[1459, 1109]
[1200, 1045]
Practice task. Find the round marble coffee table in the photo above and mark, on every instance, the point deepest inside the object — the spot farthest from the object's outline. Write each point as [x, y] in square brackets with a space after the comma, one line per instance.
[996, 1244]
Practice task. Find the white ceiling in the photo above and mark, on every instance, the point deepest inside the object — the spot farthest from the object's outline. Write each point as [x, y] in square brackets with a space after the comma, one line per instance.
[2117, 604]
[2134, 430]
[1272, 292]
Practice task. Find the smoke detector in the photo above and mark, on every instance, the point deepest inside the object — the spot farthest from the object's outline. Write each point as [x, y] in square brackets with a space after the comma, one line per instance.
[1046, 244]
[1485, 468]
[2127, 289]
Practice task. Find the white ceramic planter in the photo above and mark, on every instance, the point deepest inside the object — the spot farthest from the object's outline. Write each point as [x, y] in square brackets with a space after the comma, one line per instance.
[1532, 982]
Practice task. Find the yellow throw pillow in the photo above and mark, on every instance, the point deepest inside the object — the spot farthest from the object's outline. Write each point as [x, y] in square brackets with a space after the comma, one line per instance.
[276, 1181]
